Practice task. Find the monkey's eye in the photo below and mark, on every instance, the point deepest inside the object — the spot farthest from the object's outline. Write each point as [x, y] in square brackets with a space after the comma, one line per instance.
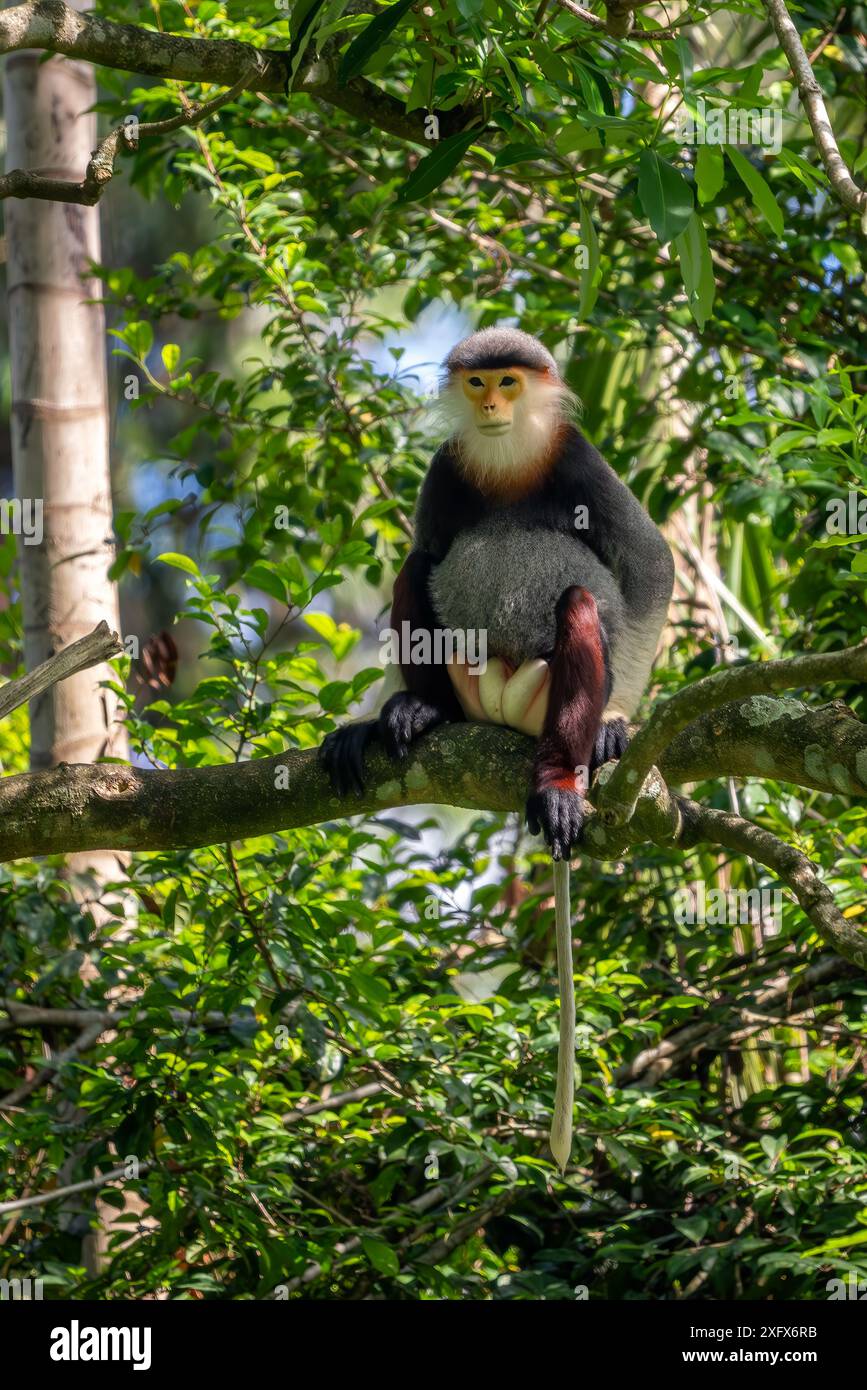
[476, 381]
[508, 381]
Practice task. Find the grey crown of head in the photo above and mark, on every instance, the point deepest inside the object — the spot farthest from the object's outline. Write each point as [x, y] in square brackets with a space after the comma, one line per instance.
[493, 348]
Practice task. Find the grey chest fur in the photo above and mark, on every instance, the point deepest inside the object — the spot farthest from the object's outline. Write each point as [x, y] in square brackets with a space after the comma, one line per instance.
[505, 577]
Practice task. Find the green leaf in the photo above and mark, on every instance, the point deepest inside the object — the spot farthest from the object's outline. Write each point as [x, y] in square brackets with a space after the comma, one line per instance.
[332, 696]
[420, 91]
[180, 562]
[264, 576]
[430, 172]
[171, 355]
[685, 60]
[773, 1145]
[140, 337]
[362, 679]
[696, 269]
[665, 196]
[372, 36]
[710, 172]
[381, 1256]
[120, 564]
[759, 190]
[589, 275]
[256, 159]
[811, 178]
[837, 1243]
[623, 1157]
[324, 624]
[306, 18]
[519, 154]
[693, 1227]
[678, 1001]
[577, 136]
[375, 990]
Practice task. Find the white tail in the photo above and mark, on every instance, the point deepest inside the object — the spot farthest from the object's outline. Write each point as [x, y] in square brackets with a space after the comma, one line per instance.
[564, 1095]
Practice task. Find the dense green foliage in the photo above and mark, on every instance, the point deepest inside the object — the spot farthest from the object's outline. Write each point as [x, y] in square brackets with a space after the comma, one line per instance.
[712, 327]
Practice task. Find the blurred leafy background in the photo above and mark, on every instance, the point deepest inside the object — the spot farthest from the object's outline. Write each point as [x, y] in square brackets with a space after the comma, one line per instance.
[281, 284]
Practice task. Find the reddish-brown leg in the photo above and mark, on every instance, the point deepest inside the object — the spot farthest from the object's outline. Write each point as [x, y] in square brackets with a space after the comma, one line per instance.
[578, 694]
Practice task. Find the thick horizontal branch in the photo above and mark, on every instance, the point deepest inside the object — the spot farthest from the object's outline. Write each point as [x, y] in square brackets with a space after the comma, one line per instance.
[481, 767]
[56, 28]
[735, 682]
[98, 646]
[26, 183]
[104, 805]
[824, 747]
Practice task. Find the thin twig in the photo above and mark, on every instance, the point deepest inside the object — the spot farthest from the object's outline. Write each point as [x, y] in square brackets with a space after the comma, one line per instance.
[703, 823]
[98, 646]
[43, 1198]
[85, 1039]
[813, 100]
[23, 183]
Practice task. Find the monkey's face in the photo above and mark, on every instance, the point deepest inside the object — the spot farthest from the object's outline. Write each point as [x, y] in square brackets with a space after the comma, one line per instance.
[492, 396]
[504, 421]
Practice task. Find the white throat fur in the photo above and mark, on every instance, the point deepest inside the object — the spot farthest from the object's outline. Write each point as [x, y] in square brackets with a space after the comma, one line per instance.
[544, 405]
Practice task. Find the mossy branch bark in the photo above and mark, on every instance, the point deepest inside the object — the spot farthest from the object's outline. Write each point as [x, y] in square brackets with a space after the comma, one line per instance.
[108, 806]
[481, 767]
[57, 28]
[676, 713]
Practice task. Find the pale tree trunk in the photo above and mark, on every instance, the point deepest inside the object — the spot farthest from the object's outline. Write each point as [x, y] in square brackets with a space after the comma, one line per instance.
[60, 429]
[60, 402]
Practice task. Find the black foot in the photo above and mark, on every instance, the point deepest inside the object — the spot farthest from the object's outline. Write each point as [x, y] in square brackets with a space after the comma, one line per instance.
[612, 741]
[342, 755]
[406, 717]
[559, 816]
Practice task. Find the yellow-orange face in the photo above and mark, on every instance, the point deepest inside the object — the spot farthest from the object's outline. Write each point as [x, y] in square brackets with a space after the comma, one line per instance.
[493, 395]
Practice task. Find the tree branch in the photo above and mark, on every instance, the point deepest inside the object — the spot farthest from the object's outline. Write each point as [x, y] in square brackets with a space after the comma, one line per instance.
[683, 1044]
[813, 100]
[735, 682]
[824, 748]
[56, 28]
[41, 1199]
[72, 807]
[481, 767]
[703, 823]
[23, 183]
[98, 646]
[86, 1038]
[619, 23]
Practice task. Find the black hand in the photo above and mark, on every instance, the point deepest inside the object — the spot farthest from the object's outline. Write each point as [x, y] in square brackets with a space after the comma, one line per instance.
[558, 814]
[405, 717]
[342, 755]
[612, 741]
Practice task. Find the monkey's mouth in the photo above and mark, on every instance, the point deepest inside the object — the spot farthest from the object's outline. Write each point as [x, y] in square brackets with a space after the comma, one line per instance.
[495, 427]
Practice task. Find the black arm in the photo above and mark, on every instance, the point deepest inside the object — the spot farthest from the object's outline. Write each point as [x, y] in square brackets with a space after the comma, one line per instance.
[618, 529]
